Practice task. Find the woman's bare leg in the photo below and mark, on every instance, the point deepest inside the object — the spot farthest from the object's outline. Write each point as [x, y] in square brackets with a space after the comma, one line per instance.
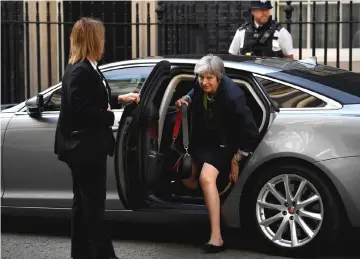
[208, 184]
[192, 182]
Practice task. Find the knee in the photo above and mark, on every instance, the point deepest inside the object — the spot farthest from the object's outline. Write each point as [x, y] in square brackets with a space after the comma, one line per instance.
[206, 180]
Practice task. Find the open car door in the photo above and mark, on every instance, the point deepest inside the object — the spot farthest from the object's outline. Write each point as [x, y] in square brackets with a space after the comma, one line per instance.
[137, 160]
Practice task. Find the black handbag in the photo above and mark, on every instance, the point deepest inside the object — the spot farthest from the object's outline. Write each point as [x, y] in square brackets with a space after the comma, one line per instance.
[183, 164]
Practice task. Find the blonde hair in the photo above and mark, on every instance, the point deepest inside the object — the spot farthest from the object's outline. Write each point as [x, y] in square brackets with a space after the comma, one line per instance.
[86, 40]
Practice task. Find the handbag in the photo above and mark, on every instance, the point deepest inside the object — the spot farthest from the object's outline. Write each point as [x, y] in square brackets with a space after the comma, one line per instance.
[183, 164]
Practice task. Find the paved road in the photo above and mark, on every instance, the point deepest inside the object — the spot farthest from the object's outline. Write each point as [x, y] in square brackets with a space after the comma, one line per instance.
[34, 238]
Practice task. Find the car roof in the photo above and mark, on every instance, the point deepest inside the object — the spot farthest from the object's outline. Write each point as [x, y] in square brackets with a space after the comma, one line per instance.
[260, 65]
[224, 57]
[244, 63]
[338, 84]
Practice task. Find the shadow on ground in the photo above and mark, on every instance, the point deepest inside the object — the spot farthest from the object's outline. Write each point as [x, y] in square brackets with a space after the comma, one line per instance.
[189, 234]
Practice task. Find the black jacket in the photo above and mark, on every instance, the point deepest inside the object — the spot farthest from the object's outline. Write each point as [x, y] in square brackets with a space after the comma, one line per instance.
[233, 117]
[83, 133]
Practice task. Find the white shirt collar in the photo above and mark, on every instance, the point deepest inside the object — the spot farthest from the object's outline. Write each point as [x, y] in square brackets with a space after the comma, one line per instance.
[256, 24]
[94, 64]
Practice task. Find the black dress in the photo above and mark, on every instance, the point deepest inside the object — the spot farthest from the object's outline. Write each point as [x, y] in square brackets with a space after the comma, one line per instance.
[207, 147]
[220, 127]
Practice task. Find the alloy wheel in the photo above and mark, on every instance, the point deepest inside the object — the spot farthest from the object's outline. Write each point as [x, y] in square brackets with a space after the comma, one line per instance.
[289, 210]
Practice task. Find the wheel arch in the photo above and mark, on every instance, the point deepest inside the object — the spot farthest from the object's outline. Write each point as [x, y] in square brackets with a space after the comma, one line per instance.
[285, 161]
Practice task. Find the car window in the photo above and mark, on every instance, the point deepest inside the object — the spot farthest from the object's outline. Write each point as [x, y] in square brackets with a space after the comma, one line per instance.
[126, 80]
[54, 102]
[285, 96]
[336, 78]
[121, 81]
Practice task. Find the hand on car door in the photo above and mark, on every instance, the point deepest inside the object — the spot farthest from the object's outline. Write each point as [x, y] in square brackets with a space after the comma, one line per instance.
[181, 101]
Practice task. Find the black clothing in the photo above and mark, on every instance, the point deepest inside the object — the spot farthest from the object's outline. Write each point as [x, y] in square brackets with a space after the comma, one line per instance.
[259, 41]
[88, 232]
[83, 132]
[83, 140]
[261, 5]
[225, 126]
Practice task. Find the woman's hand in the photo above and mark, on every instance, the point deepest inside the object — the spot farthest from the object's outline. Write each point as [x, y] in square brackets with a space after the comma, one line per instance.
[130, 97]
[234, 171]
[179, 102]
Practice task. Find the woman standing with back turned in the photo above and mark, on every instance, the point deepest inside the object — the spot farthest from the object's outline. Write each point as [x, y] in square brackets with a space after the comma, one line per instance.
[84, 139]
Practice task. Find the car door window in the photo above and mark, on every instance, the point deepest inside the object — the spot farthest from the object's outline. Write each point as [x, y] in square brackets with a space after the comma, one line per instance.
[121, 81]
[285, 96]
[126, 80]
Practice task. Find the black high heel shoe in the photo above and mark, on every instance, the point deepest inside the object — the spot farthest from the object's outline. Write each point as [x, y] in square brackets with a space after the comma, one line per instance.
[213, 249]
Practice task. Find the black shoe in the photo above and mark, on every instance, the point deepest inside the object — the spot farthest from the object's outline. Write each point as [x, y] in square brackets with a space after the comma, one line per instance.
[212, 249]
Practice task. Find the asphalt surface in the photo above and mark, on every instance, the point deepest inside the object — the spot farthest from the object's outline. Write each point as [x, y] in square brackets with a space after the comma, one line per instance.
[38, 238]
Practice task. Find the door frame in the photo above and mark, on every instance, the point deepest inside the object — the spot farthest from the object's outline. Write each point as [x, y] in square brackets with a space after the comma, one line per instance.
[133, 116]
[244, 78]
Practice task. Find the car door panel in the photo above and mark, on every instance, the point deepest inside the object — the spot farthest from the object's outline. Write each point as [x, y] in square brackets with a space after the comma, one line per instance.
[132, 152]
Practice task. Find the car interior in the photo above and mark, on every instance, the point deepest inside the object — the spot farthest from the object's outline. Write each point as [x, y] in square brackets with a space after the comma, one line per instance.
[166, 184]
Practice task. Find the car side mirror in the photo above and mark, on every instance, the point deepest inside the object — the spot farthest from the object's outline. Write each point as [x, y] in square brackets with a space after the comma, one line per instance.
[35, 109]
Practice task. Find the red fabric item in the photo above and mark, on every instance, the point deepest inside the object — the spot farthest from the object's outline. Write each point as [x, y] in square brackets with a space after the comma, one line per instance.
[177, 125]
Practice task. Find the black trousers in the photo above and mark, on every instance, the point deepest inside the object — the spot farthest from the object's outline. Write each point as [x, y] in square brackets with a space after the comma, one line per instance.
[89, 239]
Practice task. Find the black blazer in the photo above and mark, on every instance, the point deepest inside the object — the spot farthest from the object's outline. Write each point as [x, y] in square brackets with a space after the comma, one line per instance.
[234, 119]
[83, 133]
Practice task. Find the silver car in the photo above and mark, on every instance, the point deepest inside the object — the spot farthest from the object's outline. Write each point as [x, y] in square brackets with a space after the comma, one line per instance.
[300, 185]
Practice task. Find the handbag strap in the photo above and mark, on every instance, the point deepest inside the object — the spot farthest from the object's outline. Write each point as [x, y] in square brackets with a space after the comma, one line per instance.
[176, 128]
[182, 116]
[185, 126]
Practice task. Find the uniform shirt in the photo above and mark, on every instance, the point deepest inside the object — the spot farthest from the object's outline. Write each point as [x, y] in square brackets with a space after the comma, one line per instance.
[283, 43]
[94, 65]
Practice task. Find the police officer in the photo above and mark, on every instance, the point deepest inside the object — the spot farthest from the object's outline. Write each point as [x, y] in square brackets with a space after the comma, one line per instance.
[262, 36]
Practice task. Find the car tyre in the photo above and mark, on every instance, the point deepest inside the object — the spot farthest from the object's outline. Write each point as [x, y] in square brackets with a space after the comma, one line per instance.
[254, 213]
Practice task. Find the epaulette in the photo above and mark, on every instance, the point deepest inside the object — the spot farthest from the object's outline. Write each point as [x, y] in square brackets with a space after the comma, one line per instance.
[278, 25]
[244, 26]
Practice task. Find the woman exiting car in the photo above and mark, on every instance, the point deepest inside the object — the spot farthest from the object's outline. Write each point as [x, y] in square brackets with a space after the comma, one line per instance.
[223, 132]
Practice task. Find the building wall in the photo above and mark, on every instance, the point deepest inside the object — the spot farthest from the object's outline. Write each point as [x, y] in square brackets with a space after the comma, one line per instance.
[212, 25]
[345, 36]
[202, 19]
[12, 52]
[54, 41]
[143, 11]
[44, 45]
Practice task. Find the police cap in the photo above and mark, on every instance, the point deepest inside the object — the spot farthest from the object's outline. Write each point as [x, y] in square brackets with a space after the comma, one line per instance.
[263, 4]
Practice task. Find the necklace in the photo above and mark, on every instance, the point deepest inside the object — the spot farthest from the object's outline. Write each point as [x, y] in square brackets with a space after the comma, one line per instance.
[209, 98]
